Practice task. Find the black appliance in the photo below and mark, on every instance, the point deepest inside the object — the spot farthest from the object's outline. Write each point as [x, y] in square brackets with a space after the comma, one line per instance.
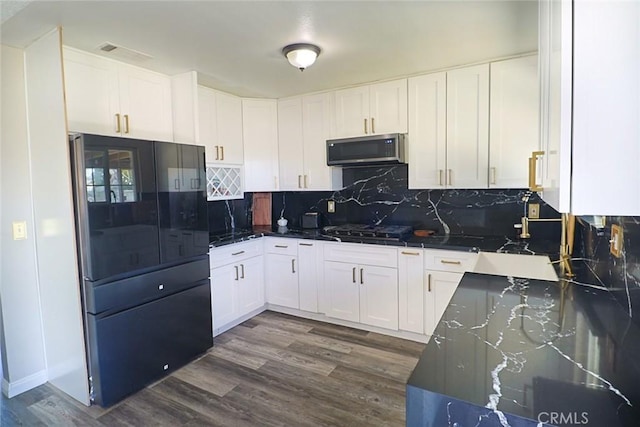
[371, 232]
[366, 150]
[143, 241]
[310, 220]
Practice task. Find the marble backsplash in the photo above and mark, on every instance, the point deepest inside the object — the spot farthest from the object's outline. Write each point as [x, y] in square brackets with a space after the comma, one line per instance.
[381, 196]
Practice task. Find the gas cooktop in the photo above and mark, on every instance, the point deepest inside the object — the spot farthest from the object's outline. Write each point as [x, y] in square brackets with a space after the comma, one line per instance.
[363, 231]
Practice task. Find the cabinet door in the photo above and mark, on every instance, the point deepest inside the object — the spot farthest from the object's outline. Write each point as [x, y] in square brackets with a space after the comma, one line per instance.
[343, 290]
[260, 131]
[228, 117]
[316, 129]
[468, 127]
[441, 286]
[290, 144]
[427, 145]
[207, 123]
[225, 283]
[309, 265]
[513, 121]
[281, 275]
[352, 112]
[388, 107]
[251, 285]
[145, 103]
[411, 290]
[91, 93]
[378, 296]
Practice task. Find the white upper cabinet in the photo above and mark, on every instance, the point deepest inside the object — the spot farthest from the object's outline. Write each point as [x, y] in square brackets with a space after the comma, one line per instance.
[468, 127]
[220, 126]
[304, 125]
[449, 129]
[427, 142]
[260, 133]
[107, 97]
[513, 121]
[373, 109]
[590, 91]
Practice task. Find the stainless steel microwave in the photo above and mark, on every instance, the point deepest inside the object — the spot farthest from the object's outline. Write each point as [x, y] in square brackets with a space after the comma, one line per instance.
[366, 150]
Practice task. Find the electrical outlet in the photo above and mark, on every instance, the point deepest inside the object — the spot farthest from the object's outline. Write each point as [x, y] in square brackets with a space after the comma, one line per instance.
[19, 230]
[616, 242]
[534, 210]
[331, 206]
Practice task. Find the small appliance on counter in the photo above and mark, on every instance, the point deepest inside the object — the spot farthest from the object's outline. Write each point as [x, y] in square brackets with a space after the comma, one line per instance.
[310, 220]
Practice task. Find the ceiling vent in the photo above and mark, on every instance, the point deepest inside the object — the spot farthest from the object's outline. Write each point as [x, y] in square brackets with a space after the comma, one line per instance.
[124, 53]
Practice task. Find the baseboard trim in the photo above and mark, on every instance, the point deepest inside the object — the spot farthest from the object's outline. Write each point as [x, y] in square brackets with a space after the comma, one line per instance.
[14, 388]
[224, 328]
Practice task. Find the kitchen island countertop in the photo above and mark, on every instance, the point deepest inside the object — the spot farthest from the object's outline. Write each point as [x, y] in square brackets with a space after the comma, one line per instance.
[520, 352]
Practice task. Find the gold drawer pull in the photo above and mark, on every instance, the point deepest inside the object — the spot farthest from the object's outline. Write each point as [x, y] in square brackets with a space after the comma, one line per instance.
[237, 253]
[533, 185]
[409, 253]
[305, 244]
[444, 261]
[282, 246]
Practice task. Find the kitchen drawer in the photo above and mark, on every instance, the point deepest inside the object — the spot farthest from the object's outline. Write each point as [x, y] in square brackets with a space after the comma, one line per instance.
[279, 245]
[355, 253]
[235, 252]
[454, 261]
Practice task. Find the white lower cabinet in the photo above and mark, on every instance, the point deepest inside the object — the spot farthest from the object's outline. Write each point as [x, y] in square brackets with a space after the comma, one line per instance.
[442, 274]
[360, 292]
[411, 280]
[292, 273]
[237, 286]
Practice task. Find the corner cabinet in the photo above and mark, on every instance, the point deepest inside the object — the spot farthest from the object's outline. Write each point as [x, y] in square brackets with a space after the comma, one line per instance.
[260, 131]
[107, 97]
[449, 129]
[373, 109]
[304, 125]
[361, 284]
[590, 104]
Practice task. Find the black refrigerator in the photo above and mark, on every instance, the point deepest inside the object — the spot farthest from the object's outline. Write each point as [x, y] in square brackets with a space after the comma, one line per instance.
[143, 241]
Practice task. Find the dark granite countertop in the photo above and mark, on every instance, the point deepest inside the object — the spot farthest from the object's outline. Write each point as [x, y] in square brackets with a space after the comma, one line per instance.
[468, 243]
[521, 352]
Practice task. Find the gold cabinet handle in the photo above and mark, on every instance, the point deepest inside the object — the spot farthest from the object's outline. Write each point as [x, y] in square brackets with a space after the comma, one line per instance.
[293, 265]
[299, 181]
[281, 246]
[222, 152]
[361, 278]
[409, 253]
[305, 244]
[533, 186]
[444, 261]
[126, 123]
[365, 126]
[237, 253]
[305, 182]
[353, 275]
[439, 176]
[236, 267]
[493, 176]
[118, 129]
[217, 152]
[429, 282]
[373, 125]
[449, 173]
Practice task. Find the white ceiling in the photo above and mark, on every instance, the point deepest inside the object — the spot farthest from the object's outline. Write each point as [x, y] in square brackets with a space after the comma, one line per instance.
[236, 45]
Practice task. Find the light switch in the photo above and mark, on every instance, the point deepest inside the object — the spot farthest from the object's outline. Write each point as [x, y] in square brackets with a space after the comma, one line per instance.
[19, 230]
[331, 206]
[534, 210]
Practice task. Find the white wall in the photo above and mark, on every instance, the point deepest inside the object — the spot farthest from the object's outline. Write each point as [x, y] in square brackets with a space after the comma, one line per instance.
[22, 347]
[57, 265]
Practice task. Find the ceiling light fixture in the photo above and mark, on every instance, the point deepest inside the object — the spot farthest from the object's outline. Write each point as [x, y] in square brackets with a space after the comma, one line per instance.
[301, 55]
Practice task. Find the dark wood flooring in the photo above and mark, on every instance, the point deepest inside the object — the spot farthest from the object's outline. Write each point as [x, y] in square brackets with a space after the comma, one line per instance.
[273, 370]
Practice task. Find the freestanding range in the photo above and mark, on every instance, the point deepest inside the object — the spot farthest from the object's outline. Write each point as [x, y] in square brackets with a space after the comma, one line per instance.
[143, 239]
